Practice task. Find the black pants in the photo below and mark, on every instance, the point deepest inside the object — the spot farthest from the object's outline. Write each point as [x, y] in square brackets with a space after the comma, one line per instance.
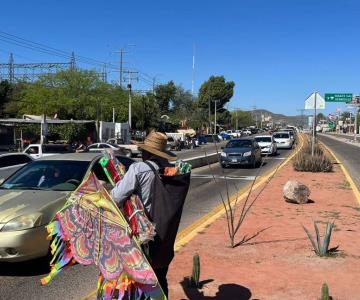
[161, 276]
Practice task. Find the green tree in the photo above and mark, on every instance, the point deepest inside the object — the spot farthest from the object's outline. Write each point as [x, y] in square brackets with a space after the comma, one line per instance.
[5, 91]
[241, 119]
[215, 88]
[146, 115]
[72, 94]
[164, 94]
[320, 116]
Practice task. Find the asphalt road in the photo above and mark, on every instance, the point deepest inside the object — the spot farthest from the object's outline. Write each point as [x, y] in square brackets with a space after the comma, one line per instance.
[22, 280]
[347, 153]
[207, 149]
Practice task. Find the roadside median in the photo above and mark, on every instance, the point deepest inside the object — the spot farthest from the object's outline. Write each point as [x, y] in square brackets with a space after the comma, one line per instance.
[278, 261]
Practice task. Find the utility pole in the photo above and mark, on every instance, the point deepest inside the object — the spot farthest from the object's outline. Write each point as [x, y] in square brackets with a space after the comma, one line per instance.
[11, 68]
[129, 86]
[216, 101]
[193, 72]
[154, 85]
[236, 121]
[301, 110]
[253, 113]
[72, 61]
[209, 118]
[121, 52]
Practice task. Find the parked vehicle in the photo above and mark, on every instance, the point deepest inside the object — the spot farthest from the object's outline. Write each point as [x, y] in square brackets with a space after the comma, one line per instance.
[243, 151]
[233, 133]
[34, 194]
[39, 150]
[211, 138]
[132, 147]
[99, 147]
[11, 162]
[267, 144]
[283, 140]
[247, 132]
[201, 140]
[225, 136]
[173, 144]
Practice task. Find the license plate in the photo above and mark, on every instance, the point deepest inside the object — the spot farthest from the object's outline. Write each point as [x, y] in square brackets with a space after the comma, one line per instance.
[234, 160]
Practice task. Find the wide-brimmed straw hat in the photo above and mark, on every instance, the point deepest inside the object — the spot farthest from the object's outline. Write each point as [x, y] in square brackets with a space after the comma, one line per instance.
[156, 143]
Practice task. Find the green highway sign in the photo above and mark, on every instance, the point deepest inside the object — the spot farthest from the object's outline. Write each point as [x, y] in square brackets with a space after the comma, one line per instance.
[331, 125]
[338, 97]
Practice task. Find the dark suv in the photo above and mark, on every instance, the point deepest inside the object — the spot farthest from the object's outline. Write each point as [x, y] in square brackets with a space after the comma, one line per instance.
[243, 151]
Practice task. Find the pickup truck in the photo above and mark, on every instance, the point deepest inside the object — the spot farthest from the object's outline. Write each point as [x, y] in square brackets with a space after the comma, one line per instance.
[39, 150]
[133, 148]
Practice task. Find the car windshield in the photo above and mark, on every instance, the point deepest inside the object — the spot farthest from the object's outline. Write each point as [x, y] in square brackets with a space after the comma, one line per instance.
[239, 144]
[61, 175]
[281, 135]
[263, 139]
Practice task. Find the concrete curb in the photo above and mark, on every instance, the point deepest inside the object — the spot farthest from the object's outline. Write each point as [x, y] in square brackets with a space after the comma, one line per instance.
[200, 161]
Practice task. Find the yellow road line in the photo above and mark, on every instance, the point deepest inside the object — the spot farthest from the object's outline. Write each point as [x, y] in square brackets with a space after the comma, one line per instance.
[188, 233]
[346, 173]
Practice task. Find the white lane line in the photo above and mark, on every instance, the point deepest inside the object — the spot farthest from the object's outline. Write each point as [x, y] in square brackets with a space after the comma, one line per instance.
[206, 176]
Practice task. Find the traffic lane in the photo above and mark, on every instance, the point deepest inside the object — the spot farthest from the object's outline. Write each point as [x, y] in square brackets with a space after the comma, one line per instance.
[210, 148]
[348, 154]
[211, 183]
[22, 280]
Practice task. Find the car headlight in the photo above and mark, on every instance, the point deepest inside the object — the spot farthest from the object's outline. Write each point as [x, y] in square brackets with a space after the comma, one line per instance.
[223, 154]
[23, 222]
[247, 153]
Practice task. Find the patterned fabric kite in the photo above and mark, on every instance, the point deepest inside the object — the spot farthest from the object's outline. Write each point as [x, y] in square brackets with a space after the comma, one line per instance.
[133, 209]
[90, 229]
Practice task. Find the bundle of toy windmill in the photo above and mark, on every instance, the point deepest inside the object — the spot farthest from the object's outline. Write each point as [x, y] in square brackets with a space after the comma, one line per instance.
[91, 229]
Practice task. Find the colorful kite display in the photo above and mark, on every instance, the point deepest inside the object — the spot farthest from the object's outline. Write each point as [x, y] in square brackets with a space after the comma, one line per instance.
[90, 229]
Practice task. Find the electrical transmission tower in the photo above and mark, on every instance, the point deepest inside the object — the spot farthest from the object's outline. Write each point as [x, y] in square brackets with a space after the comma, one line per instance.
[31, 71]
[13, 72]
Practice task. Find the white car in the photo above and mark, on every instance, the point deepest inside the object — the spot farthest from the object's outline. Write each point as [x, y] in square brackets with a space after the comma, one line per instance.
[246, 132]
[233, 133]
[267, 144]
[39, 150]
[283, 140]
[98, 147]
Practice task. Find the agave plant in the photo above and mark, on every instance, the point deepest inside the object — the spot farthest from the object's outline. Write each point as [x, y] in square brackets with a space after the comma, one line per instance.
[322, 248]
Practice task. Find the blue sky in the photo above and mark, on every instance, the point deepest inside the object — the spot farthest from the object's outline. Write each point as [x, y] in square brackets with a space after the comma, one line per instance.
[276, 51]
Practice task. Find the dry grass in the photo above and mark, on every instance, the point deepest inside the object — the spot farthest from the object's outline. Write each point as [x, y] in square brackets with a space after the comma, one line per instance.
[305, 162]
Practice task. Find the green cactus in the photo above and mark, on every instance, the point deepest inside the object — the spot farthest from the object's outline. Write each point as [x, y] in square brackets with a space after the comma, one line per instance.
[195, 277]
[325, 292]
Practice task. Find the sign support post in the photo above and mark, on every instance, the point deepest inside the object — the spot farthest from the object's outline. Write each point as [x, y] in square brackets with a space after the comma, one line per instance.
[314, 129]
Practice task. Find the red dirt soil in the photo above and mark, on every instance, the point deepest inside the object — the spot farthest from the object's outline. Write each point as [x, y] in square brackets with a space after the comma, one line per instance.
[279, 262]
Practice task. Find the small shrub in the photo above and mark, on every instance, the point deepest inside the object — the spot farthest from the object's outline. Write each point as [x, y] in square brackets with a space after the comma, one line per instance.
[322, 249]
[305, 162]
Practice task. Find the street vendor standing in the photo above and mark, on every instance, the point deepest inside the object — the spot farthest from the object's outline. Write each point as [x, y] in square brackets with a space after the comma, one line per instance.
[140, 180]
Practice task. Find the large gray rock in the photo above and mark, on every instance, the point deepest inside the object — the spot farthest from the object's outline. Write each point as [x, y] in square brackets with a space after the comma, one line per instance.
[296, 192]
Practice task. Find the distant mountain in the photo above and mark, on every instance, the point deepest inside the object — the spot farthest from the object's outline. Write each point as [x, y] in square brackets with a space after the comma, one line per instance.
[278, 118]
